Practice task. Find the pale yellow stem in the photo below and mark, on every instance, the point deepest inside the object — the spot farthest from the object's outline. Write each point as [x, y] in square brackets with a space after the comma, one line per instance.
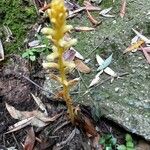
[66, 95]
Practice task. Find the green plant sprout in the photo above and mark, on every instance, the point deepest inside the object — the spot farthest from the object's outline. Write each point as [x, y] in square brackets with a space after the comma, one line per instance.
[109, 142]
[33, 53]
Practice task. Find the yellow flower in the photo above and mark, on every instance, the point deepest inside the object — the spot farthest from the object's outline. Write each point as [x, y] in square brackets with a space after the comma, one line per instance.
[58, 15]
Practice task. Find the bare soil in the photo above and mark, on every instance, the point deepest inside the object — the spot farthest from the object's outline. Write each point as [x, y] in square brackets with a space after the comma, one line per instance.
[16, 91]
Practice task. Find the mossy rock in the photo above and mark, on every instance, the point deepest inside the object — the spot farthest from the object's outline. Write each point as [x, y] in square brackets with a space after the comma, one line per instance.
[129, 105]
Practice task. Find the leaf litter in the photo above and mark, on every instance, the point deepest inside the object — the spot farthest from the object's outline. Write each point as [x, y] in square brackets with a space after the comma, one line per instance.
[103, 67]
[35, 117]
[139, 42]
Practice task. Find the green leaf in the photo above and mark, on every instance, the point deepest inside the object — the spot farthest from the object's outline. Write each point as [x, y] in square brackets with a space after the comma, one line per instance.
[102, 141]
[30, 52]
[25, 55]
[113, 141]
[32, 58]
[108, 136]
[121, 147]
[105, 64]
[129, 145]
[128, 137]
[108, 148]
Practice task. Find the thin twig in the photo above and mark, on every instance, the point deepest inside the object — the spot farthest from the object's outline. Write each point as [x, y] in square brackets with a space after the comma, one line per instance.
[109, 78]
[37, 85]
[85, 86]
[61, 126]
[16, 141]
[70, 137]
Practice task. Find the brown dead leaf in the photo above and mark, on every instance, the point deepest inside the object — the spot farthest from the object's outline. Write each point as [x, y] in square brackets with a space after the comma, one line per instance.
[78, 29]
[73, 82]
[30, 140]
[59, 95]
[39, 119]
[147, 56]
[85, 123]
[143, 145]
[134, 46]
[90, 7]
[92, 19]
[81, 66]
[123, 8]
[44, 8]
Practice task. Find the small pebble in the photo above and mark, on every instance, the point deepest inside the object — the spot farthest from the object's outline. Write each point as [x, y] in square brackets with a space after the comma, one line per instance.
[117, 89]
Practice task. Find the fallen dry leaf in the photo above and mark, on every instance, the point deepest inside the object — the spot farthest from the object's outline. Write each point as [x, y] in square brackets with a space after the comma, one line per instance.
[90, 7]
[39, 119]
[75, 12]
[30, 140]
[145, 48]
[78, 29]
[134, 46]
[145, 39]
[143, 145]
[96, 79]
[107, 70]
[123, 8]
[147, 56]
[69, 55]
[85, 123]
[105, 12]
[40, 104]
[19, 125]
[81, 66]
[93, 21]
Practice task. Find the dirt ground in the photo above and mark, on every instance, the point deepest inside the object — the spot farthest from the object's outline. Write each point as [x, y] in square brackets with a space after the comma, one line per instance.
[60, 134]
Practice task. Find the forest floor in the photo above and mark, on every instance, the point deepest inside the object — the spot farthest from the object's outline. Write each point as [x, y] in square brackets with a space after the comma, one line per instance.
[19, 77]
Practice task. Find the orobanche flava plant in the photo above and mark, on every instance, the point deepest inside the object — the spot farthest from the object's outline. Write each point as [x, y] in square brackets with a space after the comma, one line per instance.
[58, 14]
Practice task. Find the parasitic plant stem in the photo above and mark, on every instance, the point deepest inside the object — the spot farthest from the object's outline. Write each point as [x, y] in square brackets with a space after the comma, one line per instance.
[58, 15]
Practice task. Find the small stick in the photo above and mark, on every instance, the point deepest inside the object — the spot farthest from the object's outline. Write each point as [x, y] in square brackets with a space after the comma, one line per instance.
[109, 78]
[61, 126]
[70, 137]
[37, 85]
[16, 140]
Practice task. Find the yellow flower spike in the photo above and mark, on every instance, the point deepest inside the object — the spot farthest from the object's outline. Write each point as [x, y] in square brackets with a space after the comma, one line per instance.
[47, 31]
[50, 65]
[49, 37]
[52, 56]
[62, 43]
[69, 64]
[53, 20]
[68, 28]
[58, 15]
[70, 43]
[73, 82]
[54, 48]
[65, 82]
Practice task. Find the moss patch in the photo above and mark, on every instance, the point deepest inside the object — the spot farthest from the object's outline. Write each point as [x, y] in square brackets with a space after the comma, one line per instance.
[18, 15]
